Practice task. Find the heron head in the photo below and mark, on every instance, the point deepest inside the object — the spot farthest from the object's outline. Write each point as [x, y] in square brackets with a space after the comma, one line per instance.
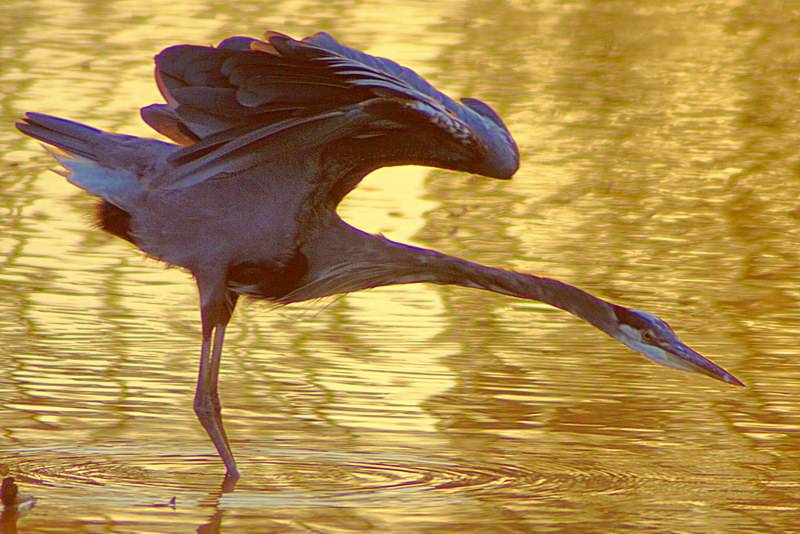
[654, 338]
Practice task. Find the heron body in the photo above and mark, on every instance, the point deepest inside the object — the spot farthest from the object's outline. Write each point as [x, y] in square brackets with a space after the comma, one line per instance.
[269, 136]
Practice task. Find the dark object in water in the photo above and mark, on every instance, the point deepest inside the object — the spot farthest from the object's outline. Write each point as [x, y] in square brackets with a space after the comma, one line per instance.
[9, 492]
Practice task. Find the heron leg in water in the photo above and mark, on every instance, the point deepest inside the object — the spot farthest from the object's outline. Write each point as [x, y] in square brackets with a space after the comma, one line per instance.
[215, 316]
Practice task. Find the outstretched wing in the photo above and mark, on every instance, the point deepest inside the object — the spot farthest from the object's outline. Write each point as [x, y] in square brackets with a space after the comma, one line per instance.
[247, 102]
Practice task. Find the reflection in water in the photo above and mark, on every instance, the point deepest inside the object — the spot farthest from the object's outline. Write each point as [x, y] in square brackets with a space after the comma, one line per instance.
[658, 170]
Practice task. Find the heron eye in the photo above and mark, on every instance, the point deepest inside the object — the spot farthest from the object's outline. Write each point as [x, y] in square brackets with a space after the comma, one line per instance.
[648, 337]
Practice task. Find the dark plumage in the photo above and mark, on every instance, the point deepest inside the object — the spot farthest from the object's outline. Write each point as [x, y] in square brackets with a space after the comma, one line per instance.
[267, 279]
[113, 220]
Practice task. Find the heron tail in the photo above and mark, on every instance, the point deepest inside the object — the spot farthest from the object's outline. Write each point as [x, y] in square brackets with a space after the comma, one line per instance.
[101, 163]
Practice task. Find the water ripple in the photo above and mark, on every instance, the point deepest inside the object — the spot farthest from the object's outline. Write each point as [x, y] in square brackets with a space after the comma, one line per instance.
[298, 477]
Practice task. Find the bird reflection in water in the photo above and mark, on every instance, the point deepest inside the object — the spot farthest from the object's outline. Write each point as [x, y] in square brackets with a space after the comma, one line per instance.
[270, 135]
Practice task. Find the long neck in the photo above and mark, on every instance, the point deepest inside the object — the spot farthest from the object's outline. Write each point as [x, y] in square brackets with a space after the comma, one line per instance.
[346, 259]
[456, 271]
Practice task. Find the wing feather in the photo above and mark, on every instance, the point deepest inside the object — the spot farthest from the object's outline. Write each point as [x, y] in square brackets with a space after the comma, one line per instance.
[245, 97]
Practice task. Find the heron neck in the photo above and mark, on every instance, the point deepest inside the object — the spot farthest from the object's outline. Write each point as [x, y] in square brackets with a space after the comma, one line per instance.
[450, 270]
[346, 259]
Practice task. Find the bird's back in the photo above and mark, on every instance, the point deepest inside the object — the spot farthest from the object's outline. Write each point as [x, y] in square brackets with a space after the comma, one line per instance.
[213, 226]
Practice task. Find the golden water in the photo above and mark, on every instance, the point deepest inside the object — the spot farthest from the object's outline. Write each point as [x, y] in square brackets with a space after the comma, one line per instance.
[659, 169]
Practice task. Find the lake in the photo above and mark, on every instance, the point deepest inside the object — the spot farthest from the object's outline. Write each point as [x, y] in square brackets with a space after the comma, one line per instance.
[660, 170]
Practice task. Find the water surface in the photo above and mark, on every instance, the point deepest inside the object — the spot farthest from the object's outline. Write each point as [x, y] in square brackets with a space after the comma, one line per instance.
[659, 170]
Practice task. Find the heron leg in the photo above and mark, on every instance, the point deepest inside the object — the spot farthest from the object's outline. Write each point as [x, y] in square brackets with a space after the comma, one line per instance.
[215, 314]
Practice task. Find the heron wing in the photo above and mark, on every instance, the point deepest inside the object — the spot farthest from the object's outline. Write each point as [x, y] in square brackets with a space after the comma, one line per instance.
[282, 95]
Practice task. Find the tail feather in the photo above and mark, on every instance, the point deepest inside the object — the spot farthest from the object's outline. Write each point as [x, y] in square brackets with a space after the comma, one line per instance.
[101, 163]
[69, 136]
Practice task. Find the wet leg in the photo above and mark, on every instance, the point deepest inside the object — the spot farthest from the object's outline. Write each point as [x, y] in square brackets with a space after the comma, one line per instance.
[206, 399]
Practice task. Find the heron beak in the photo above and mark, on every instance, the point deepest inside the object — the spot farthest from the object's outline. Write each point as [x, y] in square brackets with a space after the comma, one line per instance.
[682, 357]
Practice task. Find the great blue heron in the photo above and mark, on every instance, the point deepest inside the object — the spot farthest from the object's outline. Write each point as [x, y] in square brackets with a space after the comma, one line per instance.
[272, 134]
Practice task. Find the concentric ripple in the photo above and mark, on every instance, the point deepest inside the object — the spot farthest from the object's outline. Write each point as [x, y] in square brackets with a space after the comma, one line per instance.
[301, 477]
[365, 477]
[287, 477]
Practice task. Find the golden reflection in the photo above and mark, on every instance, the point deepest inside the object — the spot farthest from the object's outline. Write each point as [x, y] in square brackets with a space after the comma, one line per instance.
[659, 169]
